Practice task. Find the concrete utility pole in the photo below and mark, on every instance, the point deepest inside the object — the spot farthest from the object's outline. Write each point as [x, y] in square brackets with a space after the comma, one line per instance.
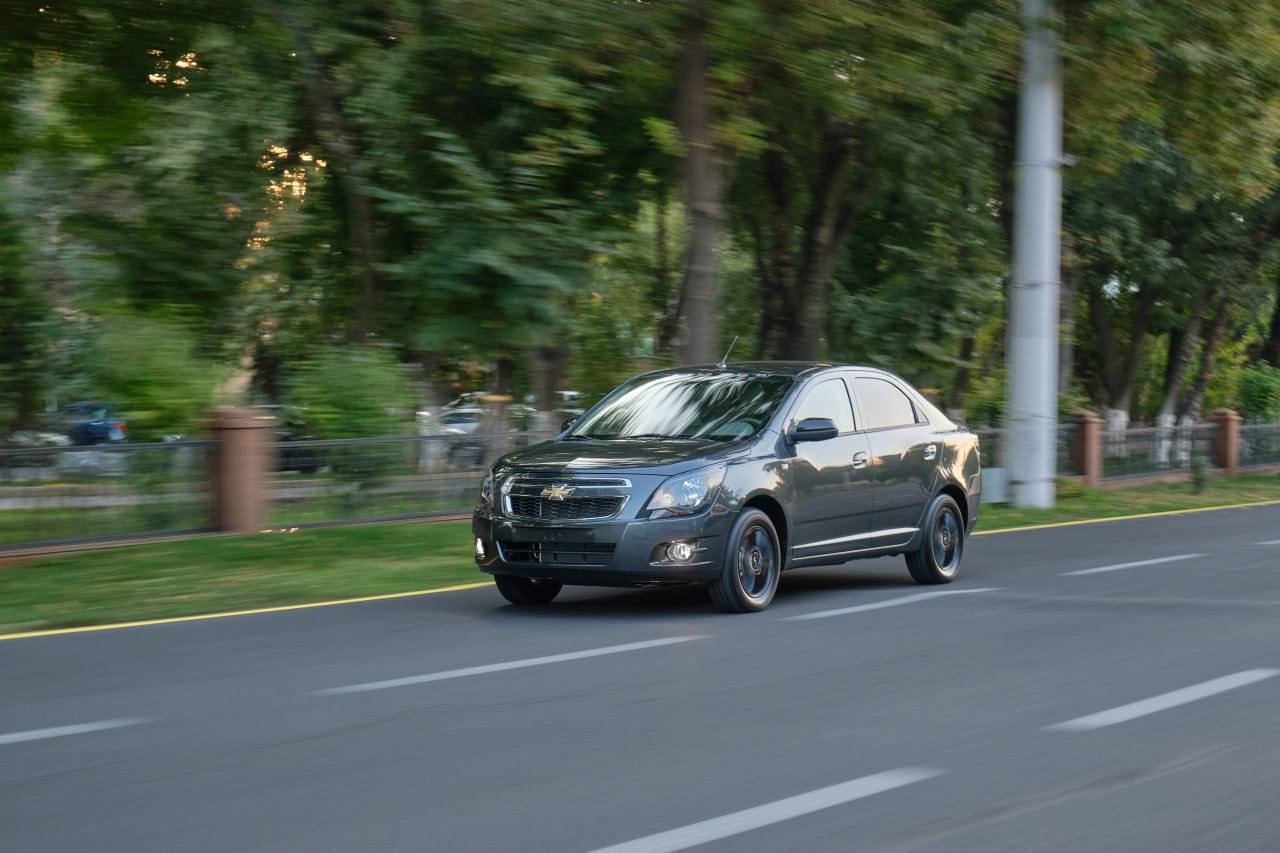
[1031, 410]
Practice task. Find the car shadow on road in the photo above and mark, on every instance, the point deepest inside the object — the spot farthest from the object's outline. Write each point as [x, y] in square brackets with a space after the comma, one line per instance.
[807, 586]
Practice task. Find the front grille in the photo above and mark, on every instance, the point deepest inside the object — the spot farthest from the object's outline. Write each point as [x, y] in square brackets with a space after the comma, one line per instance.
[577, 498]
[568, 509]
[558, 553]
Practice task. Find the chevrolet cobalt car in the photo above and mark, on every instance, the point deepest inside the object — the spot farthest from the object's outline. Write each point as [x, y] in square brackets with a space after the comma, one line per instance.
[729, 475]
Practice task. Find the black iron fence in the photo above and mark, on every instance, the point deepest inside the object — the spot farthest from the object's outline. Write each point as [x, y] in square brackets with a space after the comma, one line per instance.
[108, 491]
[365, 479]
[1155, 450]
[78, 494]
[993, 443]
[1259, 445]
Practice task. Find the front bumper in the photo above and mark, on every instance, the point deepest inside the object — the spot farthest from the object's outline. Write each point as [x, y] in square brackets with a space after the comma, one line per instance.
[617, 552]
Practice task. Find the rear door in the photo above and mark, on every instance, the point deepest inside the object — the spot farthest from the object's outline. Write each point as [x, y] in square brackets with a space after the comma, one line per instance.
[834, 496]
[904, 454]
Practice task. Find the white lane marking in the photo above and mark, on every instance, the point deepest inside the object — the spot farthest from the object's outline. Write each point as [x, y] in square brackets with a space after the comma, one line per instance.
[1271, 542]
[505, 665]
[892, 602]
[779, 810]
[1135, 564]
[1164, 701]
[78, 729]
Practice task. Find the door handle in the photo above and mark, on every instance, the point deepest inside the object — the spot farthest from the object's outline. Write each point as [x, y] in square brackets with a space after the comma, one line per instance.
[931, 451]
[860, 459]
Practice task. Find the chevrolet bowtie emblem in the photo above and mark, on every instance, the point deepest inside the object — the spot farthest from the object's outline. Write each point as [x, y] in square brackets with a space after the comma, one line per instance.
[557, 492]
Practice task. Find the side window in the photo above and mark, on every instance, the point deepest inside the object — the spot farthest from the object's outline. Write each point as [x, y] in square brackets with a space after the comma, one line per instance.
[883, 404]
[829, 399]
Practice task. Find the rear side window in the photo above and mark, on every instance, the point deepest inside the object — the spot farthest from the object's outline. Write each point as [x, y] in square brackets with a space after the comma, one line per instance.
[883, 404]
[829, 399]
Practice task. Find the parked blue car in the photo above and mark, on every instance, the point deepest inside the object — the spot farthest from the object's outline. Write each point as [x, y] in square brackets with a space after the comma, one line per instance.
[91, 422]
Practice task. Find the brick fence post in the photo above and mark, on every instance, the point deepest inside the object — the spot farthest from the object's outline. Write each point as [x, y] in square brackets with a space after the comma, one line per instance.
[1226, 441]
[1086, 447]
[242, 465]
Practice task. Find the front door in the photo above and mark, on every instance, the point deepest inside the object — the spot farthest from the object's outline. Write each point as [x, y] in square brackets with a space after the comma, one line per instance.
[904, 452]
[833, 488]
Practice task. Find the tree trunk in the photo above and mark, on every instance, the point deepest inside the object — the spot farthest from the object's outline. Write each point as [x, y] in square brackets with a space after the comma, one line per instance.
[1271, 351]
[1208, 362]
[347, 166]
[1067, 327]
[548, 371]
[1182, 346]
[960, 386]
[775, 266]
[704, 190]
[830, 217]
[1118, 374]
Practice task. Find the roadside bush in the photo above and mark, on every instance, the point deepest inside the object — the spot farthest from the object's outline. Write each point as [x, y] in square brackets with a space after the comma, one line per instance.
[352, 392]
[1260, 393]
[355, 392]
[150, 370]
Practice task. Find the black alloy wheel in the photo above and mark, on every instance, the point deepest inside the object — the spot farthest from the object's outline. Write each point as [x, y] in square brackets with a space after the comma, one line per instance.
[752, 565]
[937, 559]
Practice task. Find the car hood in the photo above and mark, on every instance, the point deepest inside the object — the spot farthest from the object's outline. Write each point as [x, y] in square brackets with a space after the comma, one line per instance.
[641, 456]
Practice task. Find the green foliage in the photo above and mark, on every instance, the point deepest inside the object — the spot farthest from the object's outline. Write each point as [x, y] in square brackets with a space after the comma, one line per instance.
[1199, 474]
[22, 327]
[349, 392]
[453, 182]
[151, 370]
[355, 392]
[1260, 393]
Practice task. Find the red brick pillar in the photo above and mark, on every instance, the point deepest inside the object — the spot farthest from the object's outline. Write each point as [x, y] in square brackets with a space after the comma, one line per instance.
[1086, 447]
[1226, 442]
[242, 466]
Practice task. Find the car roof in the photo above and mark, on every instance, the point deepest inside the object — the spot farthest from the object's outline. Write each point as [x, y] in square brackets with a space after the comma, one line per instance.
[770, 368]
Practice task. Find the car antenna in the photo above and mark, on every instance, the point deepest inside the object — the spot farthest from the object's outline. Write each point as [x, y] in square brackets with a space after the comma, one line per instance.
[722, 363]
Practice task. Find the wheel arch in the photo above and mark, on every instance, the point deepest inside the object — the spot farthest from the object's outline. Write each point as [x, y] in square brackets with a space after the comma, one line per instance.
[962, 500]
[772, 507]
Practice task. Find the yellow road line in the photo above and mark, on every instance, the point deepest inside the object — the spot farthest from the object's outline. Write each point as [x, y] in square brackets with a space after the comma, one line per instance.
[200, 617]
[283, 608]
[1133, 517]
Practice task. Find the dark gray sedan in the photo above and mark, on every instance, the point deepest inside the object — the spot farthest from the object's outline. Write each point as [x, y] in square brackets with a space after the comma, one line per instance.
[728, 475]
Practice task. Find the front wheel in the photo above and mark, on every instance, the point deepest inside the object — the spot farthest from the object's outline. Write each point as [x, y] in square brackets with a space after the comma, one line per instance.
[752, 565]
[527, 590]
[937, 559]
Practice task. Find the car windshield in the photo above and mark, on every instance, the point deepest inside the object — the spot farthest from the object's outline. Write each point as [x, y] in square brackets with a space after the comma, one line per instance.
[712, 406]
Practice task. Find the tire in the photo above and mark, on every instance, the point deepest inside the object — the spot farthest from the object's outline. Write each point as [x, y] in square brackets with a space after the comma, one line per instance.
[752, 565]
[937, 559]
[527, 591]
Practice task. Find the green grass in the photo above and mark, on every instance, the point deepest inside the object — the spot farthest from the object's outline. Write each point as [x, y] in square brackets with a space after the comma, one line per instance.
[1076, 502]
[205, 575]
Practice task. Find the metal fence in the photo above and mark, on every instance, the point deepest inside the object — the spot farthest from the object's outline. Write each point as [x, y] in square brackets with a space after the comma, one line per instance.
[77, 494]
[1259, 445]
[993, 441]
[1154, 450]
[365, 479]
[110, 491]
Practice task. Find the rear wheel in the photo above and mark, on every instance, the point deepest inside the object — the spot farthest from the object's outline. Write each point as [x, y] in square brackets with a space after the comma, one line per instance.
[937, 560]
[752, 565]
[527, 590]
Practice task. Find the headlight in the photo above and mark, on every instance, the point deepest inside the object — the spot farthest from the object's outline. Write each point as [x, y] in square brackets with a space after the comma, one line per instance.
[686, 494]
[486, 490]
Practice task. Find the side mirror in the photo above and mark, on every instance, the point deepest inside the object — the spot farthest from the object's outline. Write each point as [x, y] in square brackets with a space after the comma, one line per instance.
[814, 429]
[568, 422]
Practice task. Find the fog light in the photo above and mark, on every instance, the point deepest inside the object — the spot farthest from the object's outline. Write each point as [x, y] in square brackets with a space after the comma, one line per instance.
[679, 552]
[479, 548]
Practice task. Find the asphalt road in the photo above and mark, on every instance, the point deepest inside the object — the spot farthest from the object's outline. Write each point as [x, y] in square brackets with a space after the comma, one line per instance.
[1103, 687]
